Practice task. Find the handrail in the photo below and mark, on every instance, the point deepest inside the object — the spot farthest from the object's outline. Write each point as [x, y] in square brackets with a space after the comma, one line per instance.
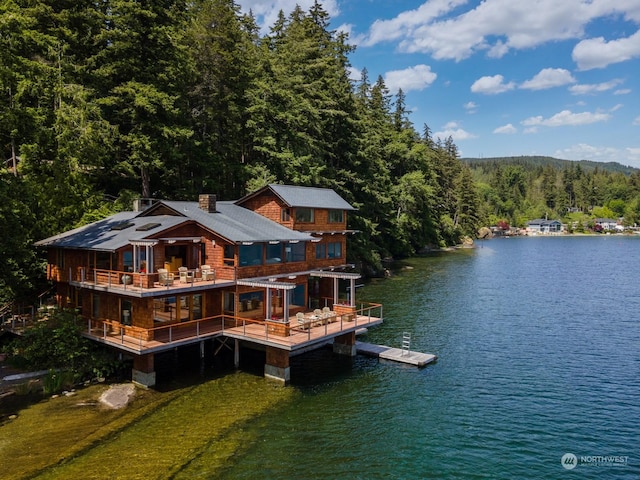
[177, 331]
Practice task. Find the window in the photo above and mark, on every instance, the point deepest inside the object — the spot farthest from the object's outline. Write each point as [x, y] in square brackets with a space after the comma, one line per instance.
[304, 215]
[125, 312]
[336, 216]
[274, 253]
[295, 252]
[229, 253]
[229, 302]
[321, 251]
[127, 261]
[197, 307]
[286, 215]
[297, 295]
[251, 254]
[95, 306]
[334, 250]
[60, 257]
[251, 302]
[103, 260]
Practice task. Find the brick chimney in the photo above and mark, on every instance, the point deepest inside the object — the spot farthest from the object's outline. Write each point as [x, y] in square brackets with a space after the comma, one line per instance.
[207, 202]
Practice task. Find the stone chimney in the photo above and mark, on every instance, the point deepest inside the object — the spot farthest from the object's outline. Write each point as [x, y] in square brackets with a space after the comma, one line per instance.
[207, 202]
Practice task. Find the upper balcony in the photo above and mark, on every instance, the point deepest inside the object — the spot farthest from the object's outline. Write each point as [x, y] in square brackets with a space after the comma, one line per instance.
[141, 284]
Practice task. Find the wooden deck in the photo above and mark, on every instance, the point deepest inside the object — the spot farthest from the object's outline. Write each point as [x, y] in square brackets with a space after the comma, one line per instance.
[293, 338]
[155, 288]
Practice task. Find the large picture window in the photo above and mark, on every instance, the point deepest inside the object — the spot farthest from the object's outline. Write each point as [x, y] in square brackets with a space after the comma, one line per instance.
[251, 302]
[251, 254]
[304, 215]
[334, 250]
[336, 216]
[274, 253]
[295, 252]
[297, 296]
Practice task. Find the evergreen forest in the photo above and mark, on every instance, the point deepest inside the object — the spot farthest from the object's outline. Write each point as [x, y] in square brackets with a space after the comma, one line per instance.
[103, 102]
[514, 190]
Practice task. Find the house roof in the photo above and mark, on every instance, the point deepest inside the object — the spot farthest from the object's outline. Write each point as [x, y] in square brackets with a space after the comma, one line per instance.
[542, 221]
[231, 222]
[114, 232]
[306, 197]
[238, 224]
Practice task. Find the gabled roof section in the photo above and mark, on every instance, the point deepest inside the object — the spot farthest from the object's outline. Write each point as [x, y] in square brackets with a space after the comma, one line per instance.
[231, 222]
[305, 197]
[238, 224]
[108, 234]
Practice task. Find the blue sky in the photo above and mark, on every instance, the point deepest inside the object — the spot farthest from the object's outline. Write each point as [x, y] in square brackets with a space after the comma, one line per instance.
[502, 77]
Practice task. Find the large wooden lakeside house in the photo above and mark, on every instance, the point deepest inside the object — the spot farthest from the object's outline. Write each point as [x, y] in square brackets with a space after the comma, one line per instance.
[267, 271]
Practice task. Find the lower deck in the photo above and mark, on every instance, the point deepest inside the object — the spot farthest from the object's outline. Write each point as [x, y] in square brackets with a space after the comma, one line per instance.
[298, 333]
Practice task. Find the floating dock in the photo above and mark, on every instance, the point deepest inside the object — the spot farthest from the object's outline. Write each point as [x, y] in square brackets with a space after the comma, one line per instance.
[396, 354]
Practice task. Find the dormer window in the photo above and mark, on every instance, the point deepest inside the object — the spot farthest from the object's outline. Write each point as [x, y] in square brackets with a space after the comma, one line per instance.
[286, 215]
[336, 216]
[304, 215]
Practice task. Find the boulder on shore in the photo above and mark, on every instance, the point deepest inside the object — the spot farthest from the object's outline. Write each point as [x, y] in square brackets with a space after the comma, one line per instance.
[118, 396]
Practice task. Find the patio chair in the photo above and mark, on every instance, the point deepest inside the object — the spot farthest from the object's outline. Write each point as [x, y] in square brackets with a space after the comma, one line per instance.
[184, 273]
[207, 272]
[301, 321]
[164, 277]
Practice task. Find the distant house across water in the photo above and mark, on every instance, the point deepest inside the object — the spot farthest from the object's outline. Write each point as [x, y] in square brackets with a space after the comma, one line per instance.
[541, 226]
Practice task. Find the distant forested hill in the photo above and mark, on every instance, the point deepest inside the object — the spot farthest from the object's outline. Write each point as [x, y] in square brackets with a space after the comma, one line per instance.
[540, 161]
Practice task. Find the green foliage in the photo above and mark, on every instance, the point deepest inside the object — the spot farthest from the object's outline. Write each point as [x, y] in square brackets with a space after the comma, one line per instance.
[101, 102]
[525, 188]
[58, 345]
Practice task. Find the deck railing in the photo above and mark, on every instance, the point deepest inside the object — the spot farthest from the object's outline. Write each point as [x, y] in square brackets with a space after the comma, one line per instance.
[140, 339]
[139, 280]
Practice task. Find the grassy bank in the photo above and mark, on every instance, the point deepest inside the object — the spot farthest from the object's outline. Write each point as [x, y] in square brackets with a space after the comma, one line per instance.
[183, 433]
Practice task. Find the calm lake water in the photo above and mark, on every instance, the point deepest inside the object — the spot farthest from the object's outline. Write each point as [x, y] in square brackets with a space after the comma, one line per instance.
[538, 344]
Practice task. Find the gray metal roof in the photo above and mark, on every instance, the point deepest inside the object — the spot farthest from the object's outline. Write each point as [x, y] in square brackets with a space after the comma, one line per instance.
[308, 197]
[238, 224]
[101, 235]
[232, 222]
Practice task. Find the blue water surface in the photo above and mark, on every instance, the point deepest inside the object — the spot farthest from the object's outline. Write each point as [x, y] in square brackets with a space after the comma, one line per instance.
[538, 344]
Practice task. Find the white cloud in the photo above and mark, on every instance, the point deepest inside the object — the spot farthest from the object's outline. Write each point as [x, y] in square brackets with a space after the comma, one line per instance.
[566, 117]
[405, 22]
[453, 130]
[471, 107]
[636, 121]
[491, 85]
[354, 74]
[595, 87]
[493, 26]
[622, 91]
[583, 151]
[598, 53]
[616, 107]
[266, 11]
[418, 77]
[508, 129]
[549, 78]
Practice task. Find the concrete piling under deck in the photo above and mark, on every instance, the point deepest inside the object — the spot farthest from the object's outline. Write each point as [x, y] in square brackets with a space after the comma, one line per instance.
[143, 373]
[345, 344]
[277, 365]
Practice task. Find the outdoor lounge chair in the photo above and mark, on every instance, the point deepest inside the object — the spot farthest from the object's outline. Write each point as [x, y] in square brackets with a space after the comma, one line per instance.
[301, 320]
[164, 277]
[207, 273]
